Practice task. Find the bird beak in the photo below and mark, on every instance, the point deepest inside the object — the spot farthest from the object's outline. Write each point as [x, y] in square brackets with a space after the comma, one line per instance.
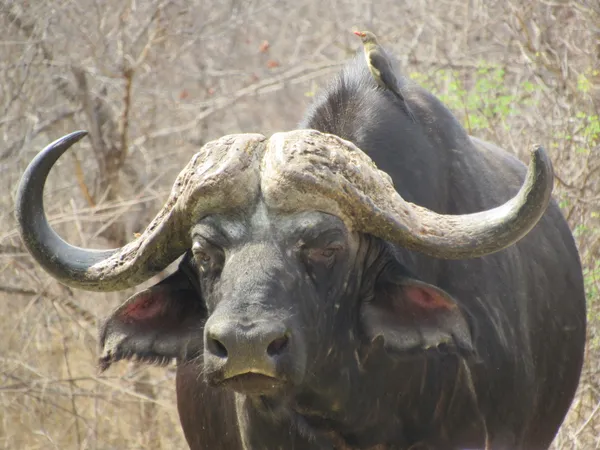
[359, 34]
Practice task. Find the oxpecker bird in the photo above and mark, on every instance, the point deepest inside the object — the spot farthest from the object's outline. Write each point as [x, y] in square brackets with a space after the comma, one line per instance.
[381, 68]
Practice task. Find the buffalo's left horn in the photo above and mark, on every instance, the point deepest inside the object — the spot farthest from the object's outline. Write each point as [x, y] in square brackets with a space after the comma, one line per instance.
[324, 172]
[223, 174]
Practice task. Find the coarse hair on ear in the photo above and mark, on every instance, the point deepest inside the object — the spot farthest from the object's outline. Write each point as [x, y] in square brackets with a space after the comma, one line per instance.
[157, 324]
[413, 316]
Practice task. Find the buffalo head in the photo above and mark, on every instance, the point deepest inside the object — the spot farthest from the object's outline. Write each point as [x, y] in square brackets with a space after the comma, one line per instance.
[288, 247]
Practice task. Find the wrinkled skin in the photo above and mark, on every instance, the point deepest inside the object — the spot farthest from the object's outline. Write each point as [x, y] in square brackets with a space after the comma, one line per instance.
[309, 272]
[294, 332]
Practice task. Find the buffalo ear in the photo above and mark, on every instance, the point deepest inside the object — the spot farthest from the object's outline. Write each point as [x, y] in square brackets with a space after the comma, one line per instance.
[156, 325]
[413, 316]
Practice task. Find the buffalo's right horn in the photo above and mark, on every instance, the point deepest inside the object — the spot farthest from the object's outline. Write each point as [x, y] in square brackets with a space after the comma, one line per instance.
[222, 175]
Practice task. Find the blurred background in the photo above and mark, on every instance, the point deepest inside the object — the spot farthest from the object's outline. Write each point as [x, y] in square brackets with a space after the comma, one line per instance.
[152, 81]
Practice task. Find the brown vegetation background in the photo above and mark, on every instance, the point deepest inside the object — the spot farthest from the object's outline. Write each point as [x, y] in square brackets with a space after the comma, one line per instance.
[154, 80]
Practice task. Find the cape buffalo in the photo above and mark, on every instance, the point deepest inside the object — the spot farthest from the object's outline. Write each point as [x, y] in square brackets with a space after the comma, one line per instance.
[318, 307]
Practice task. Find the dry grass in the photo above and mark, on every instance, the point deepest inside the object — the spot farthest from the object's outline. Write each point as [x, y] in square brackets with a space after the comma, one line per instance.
[152, 81]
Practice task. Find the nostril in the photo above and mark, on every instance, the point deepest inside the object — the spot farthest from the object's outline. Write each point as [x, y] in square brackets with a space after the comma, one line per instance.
[278, 345]
[217, 348]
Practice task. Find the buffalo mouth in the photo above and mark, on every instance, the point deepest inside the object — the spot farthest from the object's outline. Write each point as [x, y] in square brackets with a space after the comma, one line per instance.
[252, 383]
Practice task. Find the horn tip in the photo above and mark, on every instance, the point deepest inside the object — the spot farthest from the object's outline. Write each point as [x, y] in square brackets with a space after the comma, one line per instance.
[540, 158]
[537, 148]
[65, 142]
[76, 135]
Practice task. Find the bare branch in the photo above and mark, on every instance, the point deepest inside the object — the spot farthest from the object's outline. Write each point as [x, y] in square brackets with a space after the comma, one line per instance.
[40, 128]
[18, 290]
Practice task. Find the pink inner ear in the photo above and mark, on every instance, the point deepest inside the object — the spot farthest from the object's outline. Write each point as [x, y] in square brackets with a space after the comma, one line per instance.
[428, 299]
[145, 306]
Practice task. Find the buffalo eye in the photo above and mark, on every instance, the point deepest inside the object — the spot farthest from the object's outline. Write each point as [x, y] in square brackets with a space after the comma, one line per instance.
[328, 252]
[203, 258]
[323, 255]
[203, 255]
